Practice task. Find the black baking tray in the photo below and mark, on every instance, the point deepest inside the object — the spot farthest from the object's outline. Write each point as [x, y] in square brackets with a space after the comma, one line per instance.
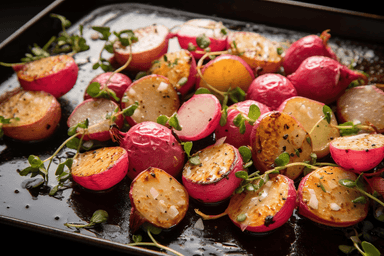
[355, 36]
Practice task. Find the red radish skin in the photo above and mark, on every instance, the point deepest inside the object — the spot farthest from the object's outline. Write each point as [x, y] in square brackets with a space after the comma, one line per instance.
[55, 74]
[152, 43]
[377, 184]
[214, 179]
[231, 131]
[305, 47]
[118, 83]
[271, 89]
[318, 207]
[278, 200]
[150, 144]
[96, 110]
[100, 169]
[194, 28]
[358, 153]
[323, 79]
[177, 66]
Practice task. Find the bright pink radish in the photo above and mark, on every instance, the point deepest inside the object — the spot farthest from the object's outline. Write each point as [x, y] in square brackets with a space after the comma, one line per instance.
[323, 79]
[266, 209]
[323, 200]
[150, 144]
[213, 179]
[198, 117]
[155, 95]
[98, 112]
[117, 82]
[358, 153]
[271, 89]
[157, 198]
[55, 75]
[364, 104]
[305, 47]
[199, 34]
[231, 131]
[179, 67]
[100, 169]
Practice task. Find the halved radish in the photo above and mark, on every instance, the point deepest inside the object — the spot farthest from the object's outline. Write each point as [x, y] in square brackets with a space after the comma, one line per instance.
[309, 112]
[200, 34]
[198, 117]
[156, 96]
[323, 200]
[55, 75]
[275, 133]
[226, 72]
[364, 104]
[100, 169]
[179, 67]
[98, 112]
[358, 153]
[231, 131]
[150, 144]
[34, 115]
[213, 179]
[152, 43]
[117, 82]
[271, 89]
[260, 53]
[265, 209]
[158, 198]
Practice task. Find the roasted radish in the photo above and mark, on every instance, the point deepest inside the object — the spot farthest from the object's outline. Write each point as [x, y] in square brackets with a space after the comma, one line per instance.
[231, 131]
[377, 184]
[109, 81]
[100, 114]
[199, 35]
[155, 95]
[324, 200]
[198, 117]
[271, 89]
[179, 67]
[275, 133]
[152, 42]
[305, 47]
[323, 79]
[34, 115]
[362, 104]
[311, 116]
[55, 75]
[212, 178]
[260, 53]
[226, 72]
[358, 153]
[158, 198]
[100, 169]
[150, 144]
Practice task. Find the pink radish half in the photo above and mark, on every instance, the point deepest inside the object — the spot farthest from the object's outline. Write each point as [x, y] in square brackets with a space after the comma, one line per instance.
[265, 209]
[358, 153]
[323, 200]
[150, 144]
[198, 117]
[231, 131]
[100, 169]
[213, 180]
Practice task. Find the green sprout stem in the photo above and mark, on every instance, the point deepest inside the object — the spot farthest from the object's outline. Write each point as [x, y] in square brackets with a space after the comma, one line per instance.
[369, 195]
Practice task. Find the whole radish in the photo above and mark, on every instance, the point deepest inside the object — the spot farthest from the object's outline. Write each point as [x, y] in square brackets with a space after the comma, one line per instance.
[305, 47]
[323, 79]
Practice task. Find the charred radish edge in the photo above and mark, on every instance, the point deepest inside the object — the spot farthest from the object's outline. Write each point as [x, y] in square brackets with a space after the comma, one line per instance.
[98, 217]
[37, 166]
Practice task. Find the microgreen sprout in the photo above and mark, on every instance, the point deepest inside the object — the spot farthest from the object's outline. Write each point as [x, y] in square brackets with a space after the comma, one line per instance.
[187, 146]
[98, 217]
[363, 247]
[172, 121]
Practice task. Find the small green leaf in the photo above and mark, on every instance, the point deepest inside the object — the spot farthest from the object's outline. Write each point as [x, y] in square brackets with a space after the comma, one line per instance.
[174, 122]
[129, 111]
[137, 238]
[245, 153]
[348, 131]
[254, 112]
[191, 47]
[202, 90]
[347, 249]
[241, 217]
[99, 216]
[370, 249]
[162, 119]
[93, 89]
[203, 41]
[188, 147]
[238, 120]
[282, 159]
[347, 183]
[224, 115]
[195, 160]
[35, 161]
[242, 175]
[360, 200]
[73, 143]
[327, 113]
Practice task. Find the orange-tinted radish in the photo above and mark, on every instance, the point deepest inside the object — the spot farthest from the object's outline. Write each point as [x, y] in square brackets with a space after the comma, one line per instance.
[157, 198]
[35, 114]
[323, 200]
[100, 169]
[55, 75]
